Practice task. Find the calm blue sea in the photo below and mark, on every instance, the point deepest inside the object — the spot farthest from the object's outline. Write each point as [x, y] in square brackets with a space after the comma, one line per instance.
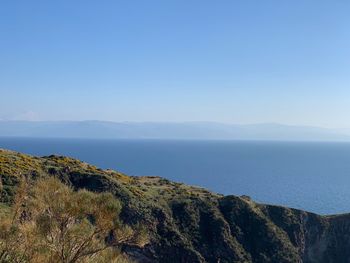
[312, 176]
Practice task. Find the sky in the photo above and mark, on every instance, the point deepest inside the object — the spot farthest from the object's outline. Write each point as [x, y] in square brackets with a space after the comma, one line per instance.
[241, 61]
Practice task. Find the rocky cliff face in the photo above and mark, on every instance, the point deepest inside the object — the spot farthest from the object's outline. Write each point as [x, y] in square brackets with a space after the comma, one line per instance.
[190, 224]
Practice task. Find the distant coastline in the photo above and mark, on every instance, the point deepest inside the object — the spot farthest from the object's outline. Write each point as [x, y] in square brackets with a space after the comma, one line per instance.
[170, 130]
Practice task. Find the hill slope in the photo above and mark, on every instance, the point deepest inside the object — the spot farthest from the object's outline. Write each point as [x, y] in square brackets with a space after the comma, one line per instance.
[190, 224]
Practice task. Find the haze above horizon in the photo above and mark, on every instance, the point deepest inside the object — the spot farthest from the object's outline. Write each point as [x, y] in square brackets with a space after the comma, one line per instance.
[173, 61]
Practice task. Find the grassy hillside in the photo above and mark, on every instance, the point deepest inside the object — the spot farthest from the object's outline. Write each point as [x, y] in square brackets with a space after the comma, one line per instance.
[190, 224]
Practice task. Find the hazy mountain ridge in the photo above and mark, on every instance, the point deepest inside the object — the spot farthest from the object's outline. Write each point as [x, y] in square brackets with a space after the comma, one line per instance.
[191, 224]
[155, 130]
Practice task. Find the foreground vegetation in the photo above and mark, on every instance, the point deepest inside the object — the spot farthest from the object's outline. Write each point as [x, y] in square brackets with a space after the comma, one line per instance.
[49, 222]
[58, 209]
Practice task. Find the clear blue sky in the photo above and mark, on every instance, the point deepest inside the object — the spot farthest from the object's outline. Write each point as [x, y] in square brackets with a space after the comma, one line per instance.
[178, 60]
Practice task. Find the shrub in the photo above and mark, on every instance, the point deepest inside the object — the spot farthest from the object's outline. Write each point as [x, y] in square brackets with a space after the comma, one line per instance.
[49, 222]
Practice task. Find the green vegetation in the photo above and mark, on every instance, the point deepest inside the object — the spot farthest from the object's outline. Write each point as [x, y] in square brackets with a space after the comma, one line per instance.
[49, 222]
[58, 209]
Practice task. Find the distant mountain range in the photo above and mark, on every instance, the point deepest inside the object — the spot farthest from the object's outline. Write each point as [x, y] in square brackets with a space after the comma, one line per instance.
[158, 130]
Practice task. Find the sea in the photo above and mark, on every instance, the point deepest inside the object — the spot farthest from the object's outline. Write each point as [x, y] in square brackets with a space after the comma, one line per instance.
[313, 176]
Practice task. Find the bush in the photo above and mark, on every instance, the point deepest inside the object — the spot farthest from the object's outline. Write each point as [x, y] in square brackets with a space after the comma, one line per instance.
[49, 222]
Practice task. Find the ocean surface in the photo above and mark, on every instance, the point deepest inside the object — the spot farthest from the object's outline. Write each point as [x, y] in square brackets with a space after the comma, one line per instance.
[313, 176]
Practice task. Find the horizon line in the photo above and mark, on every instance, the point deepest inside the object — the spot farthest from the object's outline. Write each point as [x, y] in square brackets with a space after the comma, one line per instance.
[181, 122]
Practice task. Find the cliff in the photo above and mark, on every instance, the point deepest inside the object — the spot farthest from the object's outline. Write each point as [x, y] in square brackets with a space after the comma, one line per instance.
[191, 224]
